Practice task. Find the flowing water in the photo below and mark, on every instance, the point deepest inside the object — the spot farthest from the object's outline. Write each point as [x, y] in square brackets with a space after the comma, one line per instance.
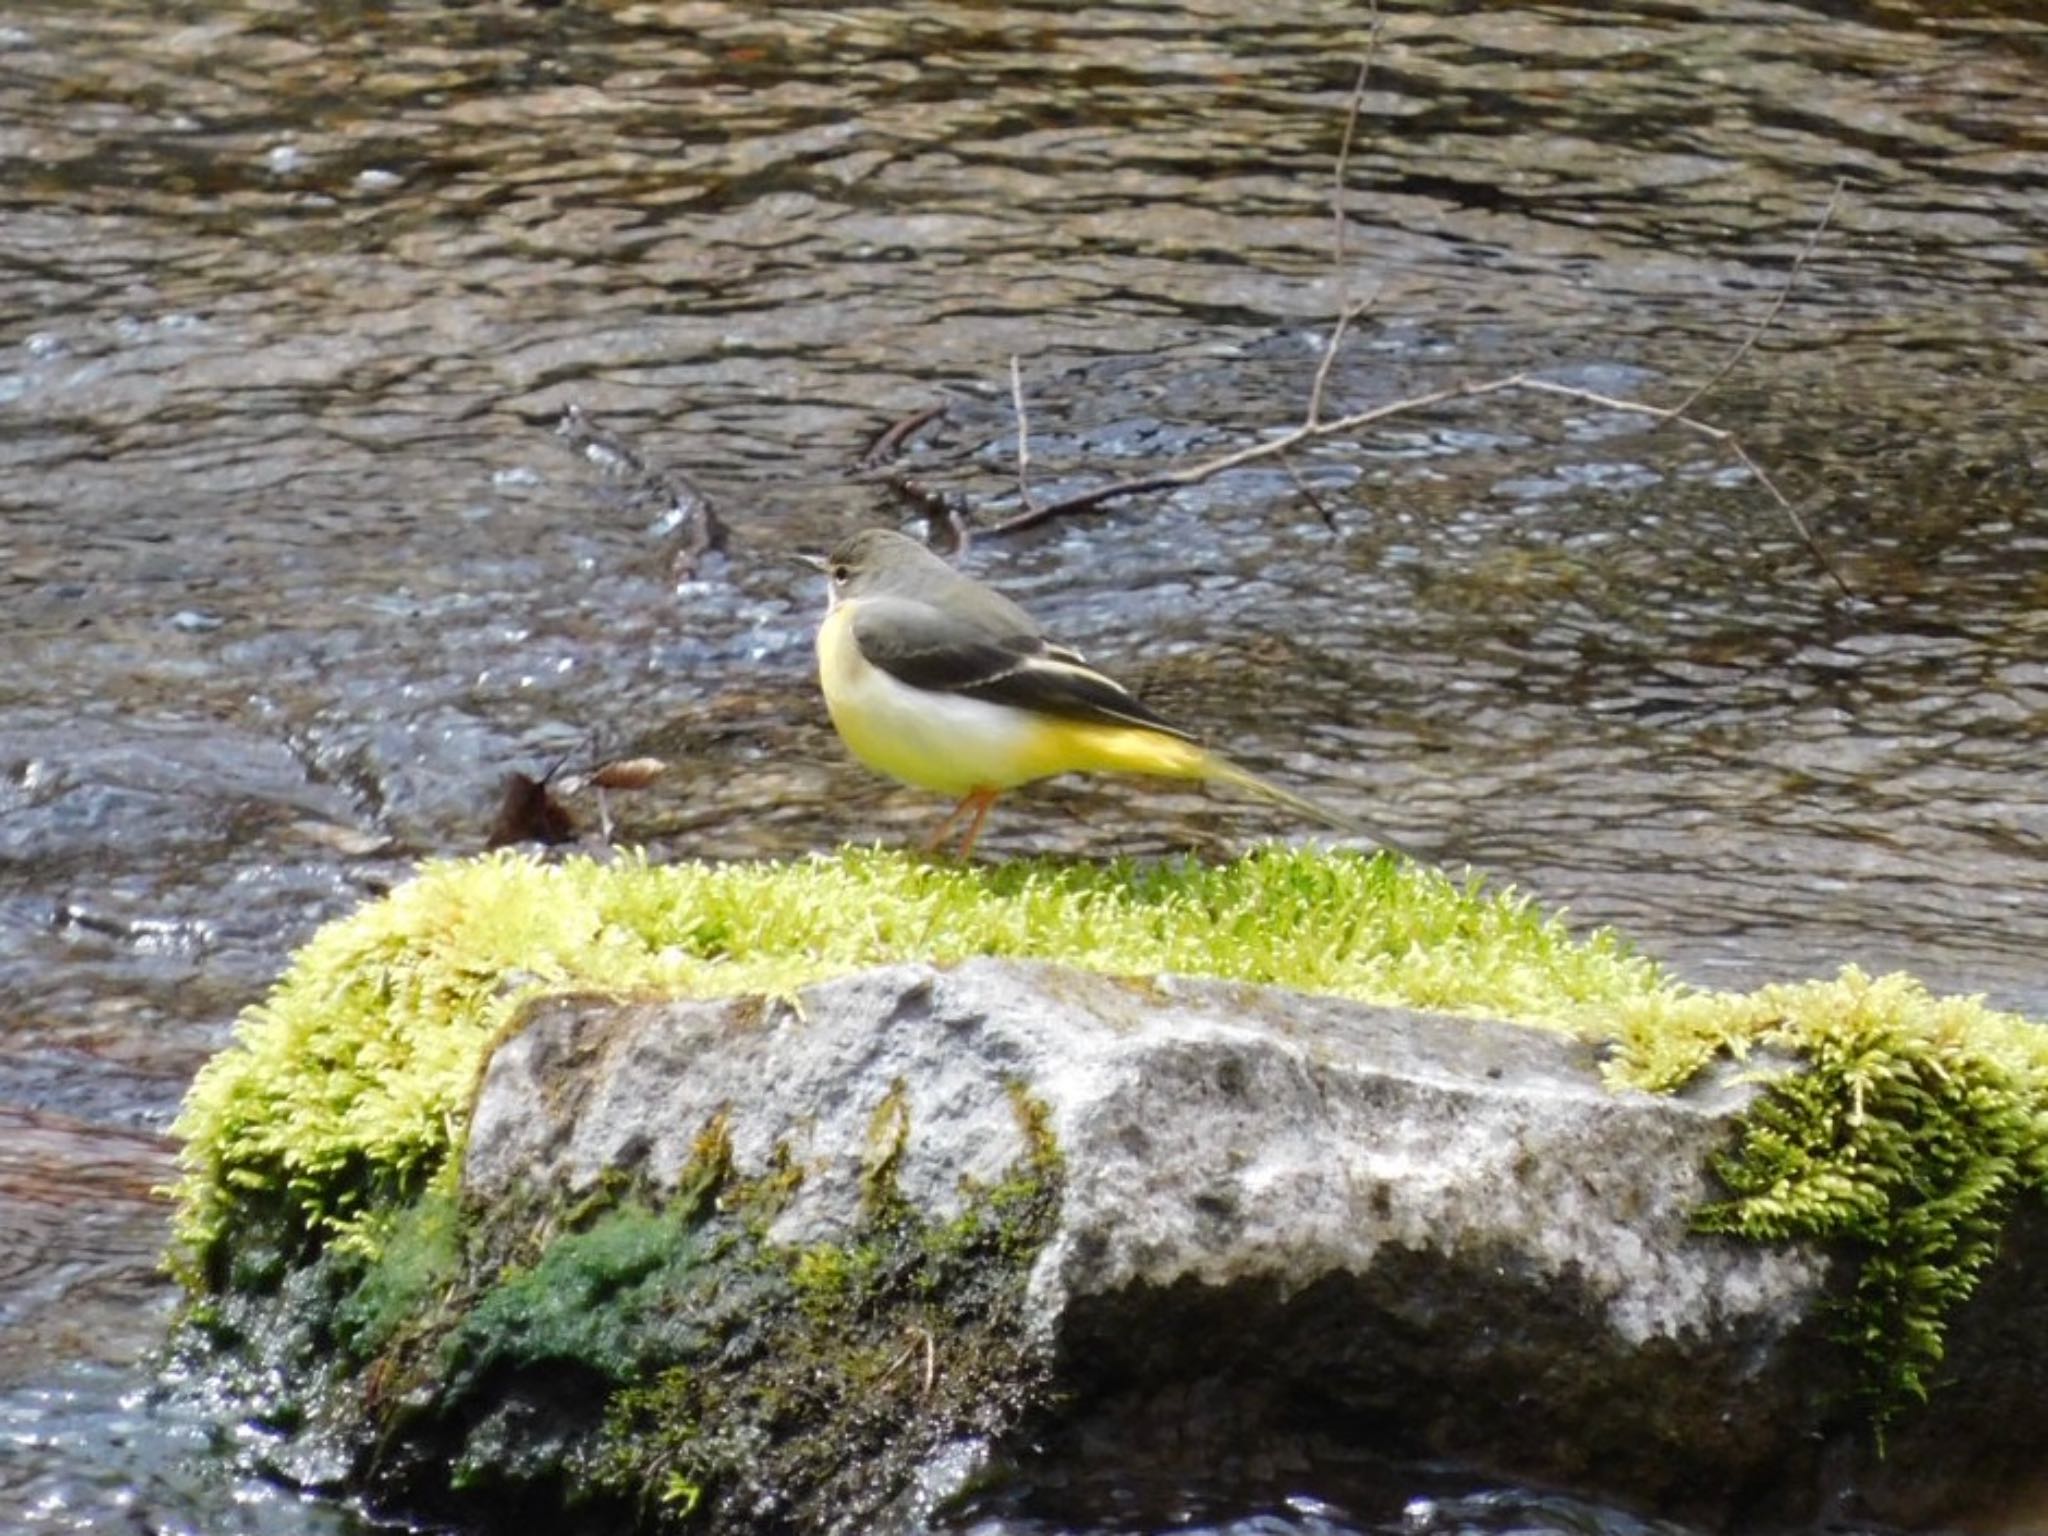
[294, 563]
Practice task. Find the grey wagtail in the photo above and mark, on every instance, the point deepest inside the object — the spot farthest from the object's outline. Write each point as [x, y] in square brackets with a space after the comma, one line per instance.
[936, 680]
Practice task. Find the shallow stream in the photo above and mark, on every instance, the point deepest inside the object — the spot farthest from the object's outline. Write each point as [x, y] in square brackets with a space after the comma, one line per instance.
[294, 563]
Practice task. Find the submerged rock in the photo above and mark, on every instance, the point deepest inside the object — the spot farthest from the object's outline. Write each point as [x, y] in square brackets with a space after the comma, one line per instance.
[1288, 1227]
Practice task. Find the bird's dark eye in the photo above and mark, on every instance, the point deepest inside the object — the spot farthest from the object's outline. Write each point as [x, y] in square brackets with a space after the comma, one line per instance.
[840, 573]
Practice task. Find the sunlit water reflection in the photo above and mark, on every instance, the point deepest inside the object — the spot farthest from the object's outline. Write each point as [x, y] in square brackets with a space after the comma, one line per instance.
[292, 566]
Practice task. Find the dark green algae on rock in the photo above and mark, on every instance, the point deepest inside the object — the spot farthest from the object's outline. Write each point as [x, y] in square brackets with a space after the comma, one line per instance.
[654, 1360]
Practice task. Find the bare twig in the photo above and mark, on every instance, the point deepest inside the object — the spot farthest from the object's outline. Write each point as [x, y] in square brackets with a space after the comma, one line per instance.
[1314, 427]
[959, 534]
[1340, 221]
[1769, 316]
[902, 1358]
[1341, 173]
[1023, 433]
[1718, 435]
[1799, 523]
[1345, 316]
[1309, 495]
[931, 1359]
[888, 444]
[1195, 474]
[1272, 447]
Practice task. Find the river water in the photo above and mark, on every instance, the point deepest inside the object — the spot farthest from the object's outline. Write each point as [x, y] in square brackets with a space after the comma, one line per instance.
[294, 563]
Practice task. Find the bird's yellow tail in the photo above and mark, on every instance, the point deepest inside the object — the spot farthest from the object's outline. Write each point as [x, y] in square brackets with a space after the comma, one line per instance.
[1094, 748]
[1223, 771]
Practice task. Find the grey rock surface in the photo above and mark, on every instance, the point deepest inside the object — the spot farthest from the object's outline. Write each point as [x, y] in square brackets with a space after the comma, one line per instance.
[1291, 1227]
[1213, 1132]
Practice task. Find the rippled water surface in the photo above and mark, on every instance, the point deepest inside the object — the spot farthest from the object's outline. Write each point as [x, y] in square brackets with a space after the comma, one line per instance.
[294, 564]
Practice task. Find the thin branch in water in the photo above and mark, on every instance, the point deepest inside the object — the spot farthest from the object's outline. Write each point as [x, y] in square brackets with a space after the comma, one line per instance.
[1340, 223]
[957, 531]
[888, 444]
[1770, 315]
[1023, 433]
[1340, 175]
[1088, 501]
[689, 524]
[1718, 435]
[1195, 474]
[1813, 545]
[1339, 213]
[1308, 494]
[1272, 447]
[1349, 313]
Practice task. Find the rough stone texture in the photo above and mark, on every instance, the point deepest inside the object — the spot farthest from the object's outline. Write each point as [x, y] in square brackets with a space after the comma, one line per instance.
[1214, 1133]
[1292, 1226]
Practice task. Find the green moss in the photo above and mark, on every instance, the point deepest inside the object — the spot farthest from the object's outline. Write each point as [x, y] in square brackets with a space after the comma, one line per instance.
[1008, 1218]
[668, 1365]
[596, 1298]
[345, 1088]
[1909, 1128]
[413, 1257]
[825, 1277]
[859, 1360]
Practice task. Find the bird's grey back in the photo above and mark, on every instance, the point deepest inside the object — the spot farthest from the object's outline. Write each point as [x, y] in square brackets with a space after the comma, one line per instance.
[888, 564]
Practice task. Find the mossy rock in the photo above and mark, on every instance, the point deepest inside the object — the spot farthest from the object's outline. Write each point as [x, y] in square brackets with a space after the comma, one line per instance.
[328, 1138]
[653, 1360]
[347, 1087]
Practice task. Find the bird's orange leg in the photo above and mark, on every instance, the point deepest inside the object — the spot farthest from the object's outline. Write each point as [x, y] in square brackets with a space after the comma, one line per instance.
[981, 800]
[931, 844]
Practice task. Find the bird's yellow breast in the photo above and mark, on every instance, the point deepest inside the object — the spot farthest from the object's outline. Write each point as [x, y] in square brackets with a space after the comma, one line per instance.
[954, 744]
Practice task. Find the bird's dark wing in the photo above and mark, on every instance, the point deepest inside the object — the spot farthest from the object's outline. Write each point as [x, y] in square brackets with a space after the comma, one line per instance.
[925, 647]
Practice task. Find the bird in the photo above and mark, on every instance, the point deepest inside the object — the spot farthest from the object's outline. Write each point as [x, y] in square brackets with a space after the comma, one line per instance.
[941, 682]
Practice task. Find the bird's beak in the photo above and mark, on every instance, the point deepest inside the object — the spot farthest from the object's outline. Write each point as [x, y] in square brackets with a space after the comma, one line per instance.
[817, 563]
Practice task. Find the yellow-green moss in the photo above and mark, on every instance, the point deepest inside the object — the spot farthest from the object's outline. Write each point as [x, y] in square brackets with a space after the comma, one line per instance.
[344, 1088]
[1909, 1128]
